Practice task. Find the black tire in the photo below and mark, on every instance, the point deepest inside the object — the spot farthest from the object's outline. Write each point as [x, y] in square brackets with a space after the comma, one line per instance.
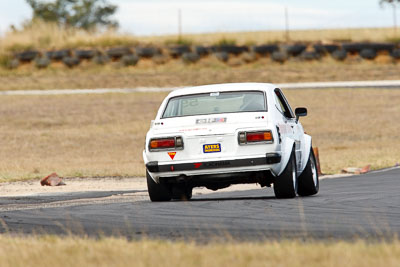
[395, 54]
[86, 54]
[279, 57]
[58, 54]
[202, 50]
[285, 185]
[265, 49]
[189, 57]
[339, 55]
[101, 59]
[27, 56]
[42, 62]
[118, 52]
[294, 50]
[308, 179]
[71, 62]
[129, 60]
[157, 192]
[310, 55]
[231, 49]
[181, 192]
[178, 51]
[147, 52]
[369, 54]
[249, 57]
[222, 56]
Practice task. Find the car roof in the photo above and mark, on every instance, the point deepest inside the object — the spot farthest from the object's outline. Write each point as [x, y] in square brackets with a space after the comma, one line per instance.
[223, 87]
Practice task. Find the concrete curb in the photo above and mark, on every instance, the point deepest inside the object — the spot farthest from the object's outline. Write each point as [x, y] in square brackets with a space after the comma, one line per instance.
[394, 84]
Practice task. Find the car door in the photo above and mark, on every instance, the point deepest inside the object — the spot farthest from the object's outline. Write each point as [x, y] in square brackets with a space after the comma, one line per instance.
[290, 124]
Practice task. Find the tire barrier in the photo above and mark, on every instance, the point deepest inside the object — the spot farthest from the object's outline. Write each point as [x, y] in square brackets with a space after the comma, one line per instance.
[230, 49]
[368, 53]
[129, 56]
[178, 51]
[202, 50]
[339, 55]
[190, 57]
[294, 50]
[264, 49]
[395, 54]
[324, 49]
[160, 59]
[378, 47]
[310, 55]
[249, 57]
[222, 56]
[147, 52]
[118, 52]
[278, 56]
[27, 56]
[71, 62]
[101, 59]
[85, 54]
[42, 62]
[129, 60]
[355, 48]
[58, 55]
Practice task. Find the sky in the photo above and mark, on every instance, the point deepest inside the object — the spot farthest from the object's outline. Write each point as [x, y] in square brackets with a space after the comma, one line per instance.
[158, 17]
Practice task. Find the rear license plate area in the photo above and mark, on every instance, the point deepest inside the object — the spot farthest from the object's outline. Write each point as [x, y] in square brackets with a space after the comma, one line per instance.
[212, 148]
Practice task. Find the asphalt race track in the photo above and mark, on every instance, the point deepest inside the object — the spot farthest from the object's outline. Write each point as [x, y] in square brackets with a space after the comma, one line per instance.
[363, 206]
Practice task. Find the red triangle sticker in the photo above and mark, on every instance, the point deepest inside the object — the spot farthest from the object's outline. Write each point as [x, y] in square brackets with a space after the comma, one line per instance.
[172, 155]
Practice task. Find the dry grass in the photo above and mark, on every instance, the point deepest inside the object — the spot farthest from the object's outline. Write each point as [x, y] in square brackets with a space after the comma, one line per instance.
[74, 135]
[74, 251]
[313, 35]
[48, 36]
[352, 127]
[208, 70]
[103, 135]
[42, 35]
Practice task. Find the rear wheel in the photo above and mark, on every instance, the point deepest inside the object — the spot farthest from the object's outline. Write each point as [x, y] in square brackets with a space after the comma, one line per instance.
[285, 185]
[157, 192]
[308, 180]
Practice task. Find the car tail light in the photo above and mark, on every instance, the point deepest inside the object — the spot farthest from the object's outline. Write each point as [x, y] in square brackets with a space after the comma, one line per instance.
[255, 137]
[166, 143]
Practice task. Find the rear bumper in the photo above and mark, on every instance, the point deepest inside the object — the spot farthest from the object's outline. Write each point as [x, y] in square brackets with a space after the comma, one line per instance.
[269, 158]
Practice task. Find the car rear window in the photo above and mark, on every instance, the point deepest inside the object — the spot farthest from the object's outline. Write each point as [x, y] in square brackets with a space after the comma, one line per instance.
[215, 103]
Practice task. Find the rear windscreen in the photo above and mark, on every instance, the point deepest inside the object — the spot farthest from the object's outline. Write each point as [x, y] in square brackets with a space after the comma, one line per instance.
[214, 103]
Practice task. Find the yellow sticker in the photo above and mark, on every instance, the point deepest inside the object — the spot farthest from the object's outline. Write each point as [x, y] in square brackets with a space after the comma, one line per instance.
[212, 148]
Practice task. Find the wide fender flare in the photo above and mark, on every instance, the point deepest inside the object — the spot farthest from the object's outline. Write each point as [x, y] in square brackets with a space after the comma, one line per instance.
[286, 152]
[145, 159]
[305, 153]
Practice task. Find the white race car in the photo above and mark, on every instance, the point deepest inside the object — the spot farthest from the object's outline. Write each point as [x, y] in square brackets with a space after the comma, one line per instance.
[224, 134]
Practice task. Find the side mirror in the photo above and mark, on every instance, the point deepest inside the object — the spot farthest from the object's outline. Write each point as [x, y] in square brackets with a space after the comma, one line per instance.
[300, 112]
